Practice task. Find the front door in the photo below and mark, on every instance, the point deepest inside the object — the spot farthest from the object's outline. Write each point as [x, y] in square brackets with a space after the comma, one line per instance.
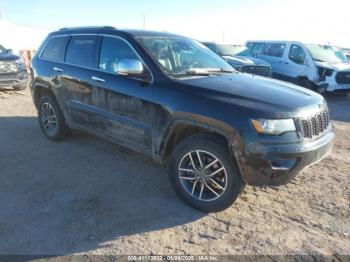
[124, 108]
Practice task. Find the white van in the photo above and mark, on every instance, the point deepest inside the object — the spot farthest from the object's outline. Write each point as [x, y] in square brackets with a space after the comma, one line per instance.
[313, 66]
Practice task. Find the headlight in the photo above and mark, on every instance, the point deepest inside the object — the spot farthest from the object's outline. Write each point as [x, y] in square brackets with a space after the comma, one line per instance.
[323, 72]
[273, 126]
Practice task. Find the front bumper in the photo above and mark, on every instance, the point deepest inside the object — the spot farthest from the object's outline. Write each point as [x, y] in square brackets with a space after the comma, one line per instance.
[14, 79]
[276, 164]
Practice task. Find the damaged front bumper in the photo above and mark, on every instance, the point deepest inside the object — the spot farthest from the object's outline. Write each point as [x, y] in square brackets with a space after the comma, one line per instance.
[14, 79]
[276, 163]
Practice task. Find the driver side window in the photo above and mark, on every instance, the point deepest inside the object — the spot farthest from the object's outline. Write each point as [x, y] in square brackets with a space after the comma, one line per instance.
[297, 54]
[113, 50]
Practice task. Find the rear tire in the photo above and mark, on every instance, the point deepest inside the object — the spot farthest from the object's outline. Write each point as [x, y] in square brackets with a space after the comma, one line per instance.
[51, 119]
[304, 82]
[209, 188]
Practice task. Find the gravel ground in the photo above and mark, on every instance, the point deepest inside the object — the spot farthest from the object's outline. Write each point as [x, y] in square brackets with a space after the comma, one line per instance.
[84, 195]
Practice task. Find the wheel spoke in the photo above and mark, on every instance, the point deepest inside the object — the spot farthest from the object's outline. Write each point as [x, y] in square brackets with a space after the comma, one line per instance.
[194, 187]
[218, 185]
[187, 170]
[212, 190]
[217, 171]
[200, 160]
[188, 178]
[192, 162]
[211, 163]
[201, 192]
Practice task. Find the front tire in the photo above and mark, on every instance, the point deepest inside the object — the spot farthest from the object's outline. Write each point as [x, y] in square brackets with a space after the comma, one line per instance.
[51, 119]
[203, 174]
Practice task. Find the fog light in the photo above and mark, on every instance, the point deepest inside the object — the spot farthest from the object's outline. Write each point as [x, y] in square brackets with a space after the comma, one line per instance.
[282, 164]
[22, 75]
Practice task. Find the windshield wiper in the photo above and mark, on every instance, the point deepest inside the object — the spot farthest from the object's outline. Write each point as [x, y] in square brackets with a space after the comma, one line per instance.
[197, 72]
[221, 70]
[203, 72]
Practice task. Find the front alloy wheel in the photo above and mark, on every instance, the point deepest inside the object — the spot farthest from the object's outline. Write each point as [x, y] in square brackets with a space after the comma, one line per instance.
[203, 173]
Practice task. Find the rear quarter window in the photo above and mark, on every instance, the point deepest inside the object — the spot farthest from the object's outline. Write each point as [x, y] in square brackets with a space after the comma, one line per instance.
[81, 51]
[55, 48]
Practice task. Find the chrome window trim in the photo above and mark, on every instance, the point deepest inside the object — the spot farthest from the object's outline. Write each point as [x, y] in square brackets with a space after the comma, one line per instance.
[91, 68]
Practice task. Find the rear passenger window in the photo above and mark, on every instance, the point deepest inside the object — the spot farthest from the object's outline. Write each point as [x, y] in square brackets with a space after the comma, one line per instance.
[55, 48]
[113, 50]
[297, 54]
[274, 49]
[81, 51]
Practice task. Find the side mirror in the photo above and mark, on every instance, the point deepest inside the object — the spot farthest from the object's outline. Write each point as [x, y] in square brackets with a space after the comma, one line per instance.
[10, 51]
[130, 67]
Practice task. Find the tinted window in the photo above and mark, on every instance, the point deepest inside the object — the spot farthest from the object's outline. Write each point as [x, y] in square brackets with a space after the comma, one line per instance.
[274, 49]
[81, 50]
[113, 50]
[297, 54]
[256, 48]
[55, 48]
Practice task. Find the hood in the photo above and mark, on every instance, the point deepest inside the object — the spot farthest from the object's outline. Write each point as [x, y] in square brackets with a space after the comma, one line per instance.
[267, 96]
[245, 60]
[334, 66]
[8, 57]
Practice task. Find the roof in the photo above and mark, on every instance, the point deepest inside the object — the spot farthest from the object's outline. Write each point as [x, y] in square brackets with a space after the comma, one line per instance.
[111, 29]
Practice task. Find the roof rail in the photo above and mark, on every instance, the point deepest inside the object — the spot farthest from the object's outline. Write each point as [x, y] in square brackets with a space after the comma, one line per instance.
[86, 28]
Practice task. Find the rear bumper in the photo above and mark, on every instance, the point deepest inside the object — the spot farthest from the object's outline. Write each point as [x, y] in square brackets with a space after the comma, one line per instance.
[15, 79]
[277, 164]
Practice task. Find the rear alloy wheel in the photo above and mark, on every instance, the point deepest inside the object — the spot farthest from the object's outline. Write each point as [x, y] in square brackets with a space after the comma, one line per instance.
[51, 119]
[203, 174]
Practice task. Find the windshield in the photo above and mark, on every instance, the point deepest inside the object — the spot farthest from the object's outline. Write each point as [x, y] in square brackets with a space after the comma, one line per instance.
[323, 54]
[2, 50]
[231, 50]
[338, 53]
[182, 56]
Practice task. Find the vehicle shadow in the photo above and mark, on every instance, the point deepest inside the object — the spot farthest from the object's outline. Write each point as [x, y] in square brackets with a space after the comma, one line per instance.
[339, 107]
[74, 196]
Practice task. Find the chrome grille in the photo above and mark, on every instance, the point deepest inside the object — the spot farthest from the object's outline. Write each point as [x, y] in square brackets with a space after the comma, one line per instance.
[8, 67]
[343, 78]
[256, 69]
[314, 125]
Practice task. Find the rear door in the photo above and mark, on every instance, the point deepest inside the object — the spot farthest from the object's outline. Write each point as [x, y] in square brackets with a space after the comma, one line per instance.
[80, 64]
[52, 66]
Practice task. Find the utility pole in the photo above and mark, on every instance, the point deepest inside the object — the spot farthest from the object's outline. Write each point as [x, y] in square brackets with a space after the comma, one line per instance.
[144, 22]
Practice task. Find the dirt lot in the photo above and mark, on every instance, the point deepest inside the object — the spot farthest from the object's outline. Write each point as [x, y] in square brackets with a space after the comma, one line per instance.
[85, 195]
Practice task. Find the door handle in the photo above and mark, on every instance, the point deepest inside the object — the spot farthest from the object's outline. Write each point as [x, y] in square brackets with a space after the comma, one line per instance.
[97, 79]
[57, 69]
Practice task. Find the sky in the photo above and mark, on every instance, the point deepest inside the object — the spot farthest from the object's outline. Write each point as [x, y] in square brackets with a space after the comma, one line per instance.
[227, 21]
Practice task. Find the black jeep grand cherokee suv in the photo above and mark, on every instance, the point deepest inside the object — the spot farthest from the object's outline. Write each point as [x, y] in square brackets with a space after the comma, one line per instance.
[173, 99]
